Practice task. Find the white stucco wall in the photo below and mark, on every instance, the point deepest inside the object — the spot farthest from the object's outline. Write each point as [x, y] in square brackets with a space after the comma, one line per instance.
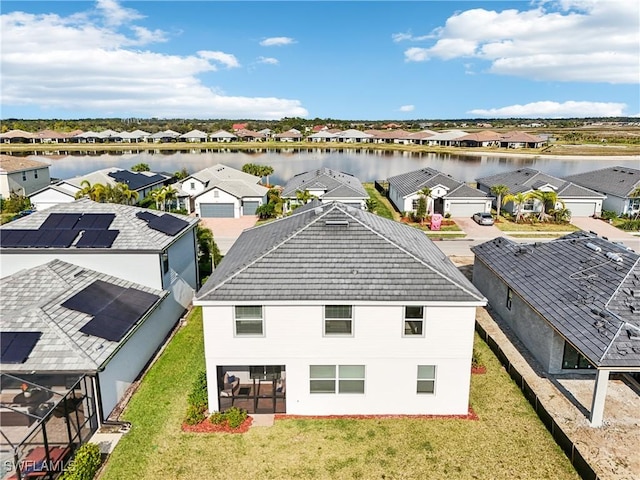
[130, 360]
[48, 198]
[294, 338]
[33, 180]
[187, 185]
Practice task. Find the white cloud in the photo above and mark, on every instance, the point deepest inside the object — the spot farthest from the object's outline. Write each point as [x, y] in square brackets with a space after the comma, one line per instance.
[83, 66]
[114, 14]
[277, 41]
[547, 109]
[559, 40]
[268, 60]
[403, 37]
[407, 108]
[227, 59]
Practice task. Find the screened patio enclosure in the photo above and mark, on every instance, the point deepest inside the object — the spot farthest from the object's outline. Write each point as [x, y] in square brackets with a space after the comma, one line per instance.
[254, 388]
[43, 420]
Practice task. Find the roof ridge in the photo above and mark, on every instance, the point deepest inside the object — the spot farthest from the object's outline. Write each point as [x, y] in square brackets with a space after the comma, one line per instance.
[399, 247]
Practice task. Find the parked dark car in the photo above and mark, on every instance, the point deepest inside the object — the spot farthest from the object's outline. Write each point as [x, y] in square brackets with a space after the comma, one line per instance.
[483, 218]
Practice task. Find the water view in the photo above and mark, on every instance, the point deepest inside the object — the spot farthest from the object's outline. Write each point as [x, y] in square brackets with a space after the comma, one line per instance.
[367, 165]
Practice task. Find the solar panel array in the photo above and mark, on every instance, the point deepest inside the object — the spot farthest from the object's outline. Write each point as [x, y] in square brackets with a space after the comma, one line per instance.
[167, 224]
[115, 309]
[136, 180]
[17, 346]
[59, 230]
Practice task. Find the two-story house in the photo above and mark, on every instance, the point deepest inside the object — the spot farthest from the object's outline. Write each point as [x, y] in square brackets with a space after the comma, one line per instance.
[22, 176]
[334, 310]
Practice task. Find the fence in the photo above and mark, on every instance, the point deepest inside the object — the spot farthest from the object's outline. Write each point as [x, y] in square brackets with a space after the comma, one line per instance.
[581, 465]
[381, 186]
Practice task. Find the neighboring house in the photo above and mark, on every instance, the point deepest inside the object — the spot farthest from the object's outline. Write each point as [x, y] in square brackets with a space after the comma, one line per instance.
[151, 248]
[22, 176]
[164, 137]
[486, 138]
[194, 136]
[581, 201]
[447, 194]
[572, 302]
[391, 136]
[422, 137]
[51, 136]
[83, 322]
[266, 132]
[223, 192]
[137, 136]
[322, 136]
[521, 140]
[353, 136]
[446, 138]
[141, 182]
[327, 185]
[222, 136]
[239, 126]
[334, 310]
[617, 183]
[18, 136]
[250, 136]
[87, 137]
[292, 135]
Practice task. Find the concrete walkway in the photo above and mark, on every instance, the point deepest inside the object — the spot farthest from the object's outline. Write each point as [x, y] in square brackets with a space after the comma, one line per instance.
[603, 229]
[263, 420]
[227, 230]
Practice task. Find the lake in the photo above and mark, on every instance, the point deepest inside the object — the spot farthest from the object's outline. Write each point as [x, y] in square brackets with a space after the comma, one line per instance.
[367, 165]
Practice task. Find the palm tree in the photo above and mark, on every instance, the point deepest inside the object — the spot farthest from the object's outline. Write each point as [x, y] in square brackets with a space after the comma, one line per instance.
[129, 197]
[548, 202]
[265, 172]
[304, 197]
[499, 190]
[371, 204]
[170, 194]
[426, 193]
[95, 192]
[274, 198]
[158, 196]
[518, 200]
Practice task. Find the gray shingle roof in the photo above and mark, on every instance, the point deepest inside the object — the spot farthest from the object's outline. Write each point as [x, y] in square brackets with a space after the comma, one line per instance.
[135, 233]
[590, 299]
[219, 172]
[336, 252]
[618, 181]
[326, 179]
[237, 188]
[527, 179]
[411, 182]
[31, 301]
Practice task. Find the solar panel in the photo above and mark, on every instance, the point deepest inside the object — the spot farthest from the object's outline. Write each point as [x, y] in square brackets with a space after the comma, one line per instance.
[97, 238]
[93, 298]
[12, 238]
[168, 224]
[95, 221]
[61, 221]
[64, 239]
[117, 318]
[17, 346]
[146, 216]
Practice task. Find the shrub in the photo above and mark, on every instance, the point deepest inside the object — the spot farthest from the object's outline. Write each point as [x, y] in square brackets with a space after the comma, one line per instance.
[608, 215]
[630, 225]
[447, 215]
[195, 415]
[197, 400]
[235, 416]
[217, 418]
[85, 464]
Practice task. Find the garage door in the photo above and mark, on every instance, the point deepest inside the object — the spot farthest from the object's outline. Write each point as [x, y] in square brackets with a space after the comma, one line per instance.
[249, 208]
[216, 210]
[581, 209]
[466, 209]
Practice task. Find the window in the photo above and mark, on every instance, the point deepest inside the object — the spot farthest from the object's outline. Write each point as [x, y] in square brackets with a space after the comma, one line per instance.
[528, 205]
[35, 174]
[426, 379]
[192, 185]
[413, 320]
[24, 176]
[573, 359]
[414, 204]
[509, 298]
[338, 320]
[216, 194]
[249, 320]
[634, 204]
[350, 379]
[165, 262]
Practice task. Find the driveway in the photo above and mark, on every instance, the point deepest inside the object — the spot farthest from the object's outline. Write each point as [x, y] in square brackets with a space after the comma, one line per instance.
[603, 229]
[227, 230]
[477, 232]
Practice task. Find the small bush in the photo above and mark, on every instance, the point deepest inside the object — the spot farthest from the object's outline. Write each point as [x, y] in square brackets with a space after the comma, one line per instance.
[608, 215]
[197, 400]
[217, 418]
[195, 415]
[235, 416]
[447, 215]
[630, 225]
[85, 464]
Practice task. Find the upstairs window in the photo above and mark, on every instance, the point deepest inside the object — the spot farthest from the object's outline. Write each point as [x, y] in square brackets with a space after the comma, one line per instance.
[338, 320]
[413, 321]
[248, 320]
[216, 194]
[509, 298]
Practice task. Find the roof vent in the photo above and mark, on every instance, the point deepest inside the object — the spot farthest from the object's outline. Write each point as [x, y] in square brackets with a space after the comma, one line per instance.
[614, 256]
[337, 223]
[594, 247]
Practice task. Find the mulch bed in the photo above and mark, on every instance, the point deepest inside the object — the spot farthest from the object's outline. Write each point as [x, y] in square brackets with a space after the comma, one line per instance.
[469, 416]
[479, 370]
[207, 427]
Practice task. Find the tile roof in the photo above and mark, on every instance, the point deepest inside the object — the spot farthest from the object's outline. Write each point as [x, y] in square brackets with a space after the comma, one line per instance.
[222, 134]
[113, 175]
[32, 301]
[588, 297]
[9, 164]
[17, 134]
[194, 134]
[527, 179]
[618, 181]
[411, 182]
[135, 233]
[335, 252]
[331, 181]
[237, 188]
[219, 172]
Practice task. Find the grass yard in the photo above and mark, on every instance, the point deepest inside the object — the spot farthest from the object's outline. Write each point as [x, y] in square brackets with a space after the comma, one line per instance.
[509, 226]
[383, 208]
[507, 442]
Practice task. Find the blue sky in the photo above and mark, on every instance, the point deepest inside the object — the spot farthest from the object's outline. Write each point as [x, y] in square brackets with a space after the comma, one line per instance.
[332, 59]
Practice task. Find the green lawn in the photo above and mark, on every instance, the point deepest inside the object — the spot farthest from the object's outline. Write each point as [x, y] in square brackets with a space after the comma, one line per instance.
[383, 208]
[507, 442]
[509, 226]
